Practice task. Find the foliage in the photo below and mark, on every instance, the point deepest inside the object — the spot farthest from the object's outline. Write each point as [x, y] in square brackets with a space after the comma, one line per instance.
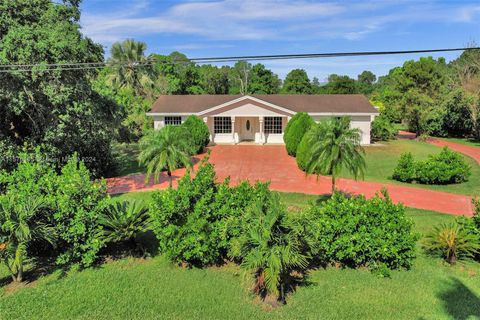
[123, 221]
[55, 108]
[383, 129]
[198, 133]
[295, 130]
[129, 67]
[21, 224]
[457, 120]
[333, 145]
[270, 247]
[297, 81]
[354, 231]
[164, 149]
[443, 168]
[340, 85]
[452, 242]
[405, 170]
[79, 203]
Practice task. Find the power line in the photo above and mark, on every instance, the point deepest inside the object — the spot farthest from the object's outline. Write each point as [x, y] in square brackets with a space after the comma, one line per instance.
[95, 65]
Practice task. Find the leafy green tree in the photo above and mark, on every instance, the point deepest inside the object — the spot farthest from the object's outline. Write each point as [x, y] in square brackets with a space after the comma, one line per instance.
[297, 81]
[334, 146]
[197, 132]
[457, 120]
[340, 85]
[129, 67]
[52, 106]
[295, 130]
[240, 76]
[163, 150]
[263, 80]
[270, 247]
[214, 80]
[21, 224]
[366, 81]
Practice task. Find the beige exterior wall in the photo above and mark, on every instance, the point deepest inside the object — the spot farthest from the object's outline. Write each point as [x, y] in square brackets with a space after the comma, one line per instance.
[361, 122]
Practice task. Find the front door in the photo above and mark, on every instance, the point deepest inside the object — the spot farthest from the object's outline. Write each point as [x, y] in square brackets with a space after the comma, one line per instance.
[248, 129]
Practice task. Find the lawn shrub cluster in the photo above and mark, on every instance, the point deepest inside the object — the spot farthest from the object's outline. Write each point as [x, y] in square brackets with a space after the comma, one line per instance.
[355, 232]
[204, 223]
[443, 168]
[383, 129]
[295, 130]
[197, 133]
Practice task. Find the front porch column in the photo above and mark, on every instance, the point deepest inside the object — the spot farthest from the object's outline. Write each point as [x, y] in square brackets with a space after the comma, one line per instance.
[260, 121]
[233, 129]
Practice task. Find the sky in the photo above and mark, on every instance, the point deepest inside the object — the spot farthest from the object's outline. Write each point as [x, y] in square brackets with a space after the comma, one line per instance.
[204, 28]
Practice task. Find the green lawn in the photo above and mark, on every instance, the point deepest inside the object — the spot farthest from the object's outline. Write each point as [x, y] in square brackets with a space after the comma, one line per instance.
[155, 289]
[382, 159]
[126, 158]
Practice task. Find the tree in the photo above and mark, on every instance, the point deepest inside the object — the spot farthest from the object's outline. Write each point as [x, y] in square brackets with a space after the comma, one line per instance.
[295, 130]
[128, 66]
[297, 81]
[334, 146]
[366, 81]
[20, 225]
[241, 77]
[270, 247]
[340, 85]
[263, 80]
[163, 149]
[52, 106]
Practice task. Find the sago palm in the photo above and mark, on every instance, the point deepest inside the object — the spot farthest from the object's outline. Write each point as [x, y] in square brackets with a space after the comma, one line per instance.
[20, 225]
[452, 241]
[334, 146]
[270, 248]
[122, 221]
[164, 149]
[129, 66]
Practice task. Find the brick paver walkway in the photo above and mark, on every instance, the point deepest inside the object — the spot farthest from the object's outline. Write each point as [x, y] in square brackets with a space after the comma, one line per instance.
[271, 163]
[472, 152]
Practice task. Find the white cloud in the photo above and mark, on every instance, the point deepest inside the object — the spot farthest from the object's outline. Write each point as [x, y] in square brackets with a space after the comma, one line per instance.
[270, 19]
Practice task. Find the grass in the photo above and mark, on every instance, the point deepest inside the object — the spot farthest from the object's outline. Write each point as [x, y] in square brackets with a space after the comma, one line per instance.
[155, 289]
[126, 157]
[382, 160]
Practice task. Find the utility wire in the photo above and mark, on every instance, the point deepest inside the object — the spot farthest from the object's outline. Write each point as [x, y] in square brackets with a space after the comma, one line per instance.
[151, 61]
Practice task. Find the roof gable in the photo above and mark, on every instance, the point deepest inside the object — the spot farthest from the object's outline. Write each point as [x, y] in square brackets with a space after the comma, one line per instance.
[247, 106]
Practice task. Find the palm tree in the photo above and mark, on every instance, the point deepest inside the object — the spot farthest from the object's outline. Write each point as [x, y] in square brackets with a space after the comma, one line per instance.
[333, 146]
[129, 66]
[164, 149]
[270, 248]
[20, 226]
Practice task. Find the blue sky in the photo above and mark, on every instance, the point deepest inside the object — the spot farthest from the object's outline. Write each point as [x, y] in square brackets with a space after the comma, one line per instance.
[256, 27]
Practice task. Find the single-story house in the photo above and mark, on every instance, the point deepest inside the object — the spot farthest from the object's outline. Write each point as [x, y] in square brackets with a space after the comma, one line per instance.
[260, 118]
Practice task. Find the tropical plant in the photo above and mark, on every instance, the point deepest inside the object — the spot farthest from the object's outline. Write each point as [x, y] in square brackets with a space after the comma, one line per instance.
[334, 146]
[452, 241]
[123, 221]
[164, 149]
[295, 130]
[20, 226]
[129, 66]
[270, 248]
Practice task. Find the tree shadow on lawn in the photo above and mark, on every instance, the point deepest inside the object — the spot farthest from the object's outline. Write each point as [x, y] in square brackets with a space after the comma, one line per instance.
[459, 301]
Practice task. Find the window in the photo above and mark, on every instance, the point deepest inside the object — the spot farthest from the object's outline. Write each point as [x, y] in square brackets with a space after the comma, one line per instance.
[174, 121]
[273, 124]
[222, 125]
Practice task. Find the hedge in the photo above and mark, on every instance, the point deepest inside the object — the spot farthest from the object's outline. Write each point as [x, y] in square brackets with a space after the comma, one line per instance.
[295, 130]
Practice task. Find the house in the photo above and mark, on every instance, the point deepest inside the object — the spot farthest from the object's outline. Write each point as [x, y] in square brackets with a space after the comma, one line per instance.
[260, 118]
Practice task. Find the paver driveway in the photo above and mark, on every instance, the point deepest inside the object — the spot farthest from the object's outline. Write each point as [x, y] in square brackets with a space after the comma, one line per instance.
[272, 163]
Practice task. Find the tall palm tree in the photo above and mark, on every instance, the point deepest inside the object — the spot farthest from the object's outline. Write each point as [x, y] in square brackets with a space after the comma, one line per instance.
[164, 149]
[130, 68]
[20, 224]
[333, 146]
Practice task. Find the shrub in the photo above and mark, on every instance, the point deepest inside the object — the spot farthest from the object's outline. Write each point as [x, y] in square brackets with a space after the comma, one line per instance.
[446, 167]
[123, 221]
[443, 168]
[198, 133]
[405, 170]
[79, 203]
[383, 129]
[354, 231]
[304, 153]
[295, 130]
[269, 247]
[452, 241]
